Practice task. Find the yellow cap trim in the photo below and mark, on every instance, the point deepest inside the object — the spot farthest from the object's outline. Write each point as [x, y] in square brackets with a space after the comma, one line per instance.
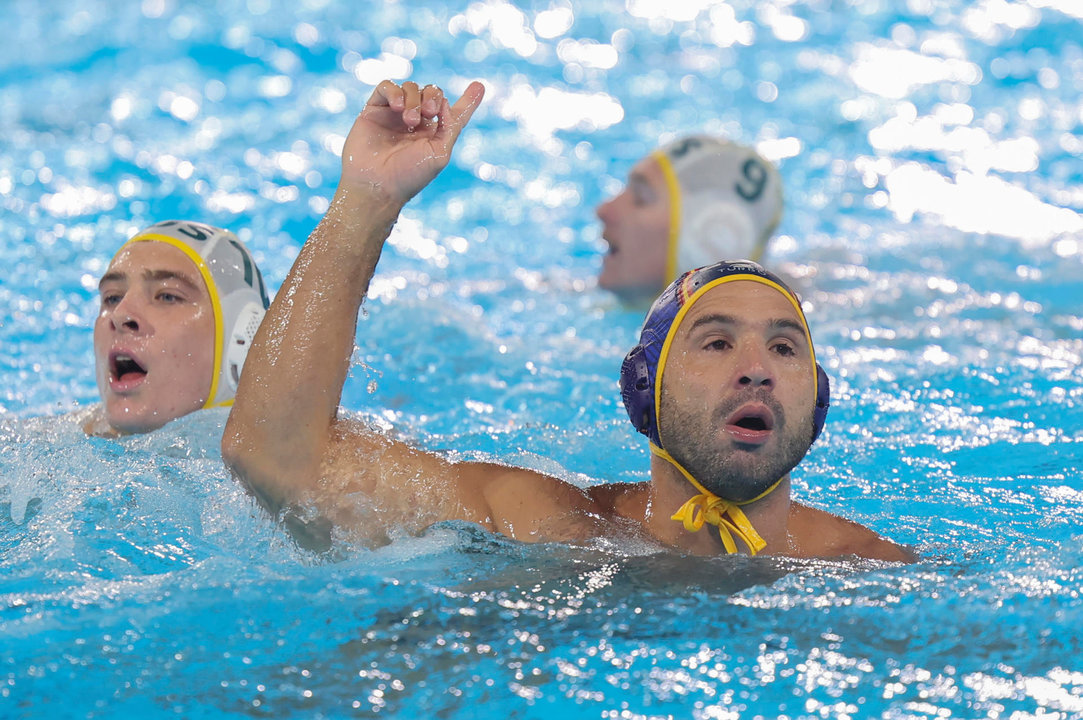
[663, 356]
[674, 189]
[708, 507]
[216, 305]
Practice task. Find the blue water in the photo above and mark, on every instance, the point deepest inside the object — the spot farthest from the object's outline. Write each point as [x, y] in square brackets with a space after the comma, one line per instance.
[931, 153]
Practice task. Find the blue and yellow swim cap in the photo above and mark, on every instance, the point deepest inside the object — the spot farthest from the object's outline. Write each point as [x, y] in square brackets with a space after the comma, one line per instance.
[641, 390]
[725, 200]
[641, 371]
[235, 285]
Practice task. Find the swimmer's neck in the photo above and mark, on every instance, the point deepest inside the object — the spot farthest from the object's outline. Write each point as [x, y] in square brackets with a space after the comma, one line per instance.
[95, 424]
[669, 490]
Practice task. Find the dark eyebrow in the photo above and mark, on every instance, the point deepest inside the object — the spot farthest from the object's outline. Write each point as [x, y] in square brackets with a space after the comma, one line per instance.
[720, 319]
[640, 179]
[788, 324]
[713, 319]
[111, 276]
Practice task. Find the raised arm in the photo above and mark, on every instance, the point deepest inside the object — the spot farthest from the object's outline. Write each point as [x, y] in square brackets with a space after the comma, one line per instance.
[282, 427]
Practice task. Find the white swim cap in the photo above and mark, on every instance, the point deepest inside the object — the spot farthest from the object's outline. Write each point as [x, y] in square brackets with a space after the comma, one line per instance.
[725, 201]
[235, 285]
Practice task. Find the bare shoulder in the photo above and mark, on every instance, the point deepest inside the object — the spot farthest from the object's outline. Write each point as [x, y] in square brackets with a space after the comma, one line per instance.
[818, 533]
[416, 488]
[530, 506]
[626, 500]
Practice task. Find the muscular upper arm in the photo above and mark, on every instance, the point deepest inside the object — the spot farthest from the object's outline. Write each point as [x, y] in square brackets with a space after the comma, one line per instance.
[371, 482]
[530, 506]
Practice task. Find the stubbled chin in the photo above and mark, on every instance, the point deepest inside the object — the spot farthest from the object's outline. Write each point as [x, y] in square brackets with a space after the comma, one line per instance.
[607, 275]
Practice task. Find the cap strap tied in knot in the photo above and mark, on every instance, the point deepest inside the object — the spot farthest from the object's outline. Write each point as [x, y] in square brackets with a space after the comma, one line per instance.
[726, 515]
[709, 508]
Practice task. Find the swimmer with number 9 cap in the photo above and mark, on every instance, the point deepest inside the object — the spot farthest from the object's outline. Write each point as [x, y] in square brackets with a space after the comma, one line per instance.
[689, 203]
[180, 304]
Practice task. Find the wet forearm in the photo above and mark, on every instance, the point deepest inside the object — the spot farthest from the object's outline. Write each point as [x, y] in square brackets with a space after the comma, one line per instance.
[288, 396]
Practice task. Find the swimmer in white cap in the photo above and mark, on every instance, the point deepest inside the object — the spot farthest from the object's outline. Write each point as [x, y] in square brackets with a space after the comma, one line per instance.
[692, 202]
[180, 304]
[741, 403]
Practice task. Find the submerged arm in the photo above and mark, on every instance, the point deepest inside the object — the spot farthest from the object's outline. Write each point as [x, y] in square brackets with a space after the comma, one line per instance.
[283, 429]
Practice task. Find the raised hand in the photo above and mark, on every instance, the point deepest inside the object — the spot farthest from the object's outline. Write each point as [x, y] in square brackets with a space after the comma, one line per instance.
[403, 138]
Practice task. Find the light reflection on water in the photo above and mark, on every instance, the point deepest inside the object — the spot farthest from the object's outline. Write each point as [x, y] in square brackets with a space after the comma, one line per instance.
[931, 160]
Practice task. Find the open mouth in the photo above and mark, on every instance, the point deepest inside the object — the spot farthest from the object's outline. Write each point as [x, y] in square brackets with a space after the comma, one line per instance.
[611, 247]
[751, 424]
[125, 368]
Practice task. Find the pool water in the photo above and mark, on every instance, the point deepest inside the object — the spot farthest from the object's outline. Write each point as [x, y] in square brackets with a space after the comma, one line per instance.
[931, 153]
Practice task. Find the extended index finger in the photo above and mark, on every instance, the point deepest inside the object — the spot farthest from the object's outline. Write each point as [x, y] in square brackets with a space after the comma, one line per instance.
[459, 114]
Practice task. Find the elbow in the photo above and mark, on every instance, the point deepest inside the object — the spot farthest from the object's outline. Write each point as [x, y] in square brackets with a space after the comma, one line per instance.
[271, 466]
[248, 446]
[234, 449]
[242, 457]
[266, 477]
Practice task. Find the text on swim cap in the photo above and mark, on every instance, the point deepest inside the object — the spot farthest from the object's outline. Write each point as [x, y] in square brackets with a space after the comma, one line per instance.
[756, 174]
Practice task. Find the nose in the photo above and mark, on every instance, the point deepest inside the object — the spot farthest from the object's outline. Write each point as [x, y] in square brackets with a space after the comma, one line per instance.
[604, 211]
[756, 378]
[125, 316]
[753, 372]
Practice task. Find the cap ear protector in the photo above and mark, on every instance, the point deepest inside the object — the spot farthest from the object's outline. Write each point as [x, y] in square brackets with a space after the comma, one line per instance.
[823, 402]
[639, 371]
[235, 286]
[244, 331]
[637, 393]
[721, 230]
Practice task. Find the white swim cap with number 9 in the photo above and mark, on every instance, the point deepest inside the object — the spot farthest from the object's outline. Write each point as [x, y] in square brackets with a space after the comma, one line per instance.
[725, 202]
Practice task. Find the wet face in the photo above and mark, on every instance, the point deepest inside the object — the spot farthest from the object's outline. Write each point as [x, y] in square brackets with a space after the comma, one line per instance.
[635, 224]
[153, 339]
[737, 390]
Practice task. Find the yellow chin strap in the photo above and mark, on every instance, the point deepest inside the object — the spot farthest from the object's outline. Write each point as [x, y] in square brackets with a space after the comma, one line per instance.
[708, 507]
[726, 515]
